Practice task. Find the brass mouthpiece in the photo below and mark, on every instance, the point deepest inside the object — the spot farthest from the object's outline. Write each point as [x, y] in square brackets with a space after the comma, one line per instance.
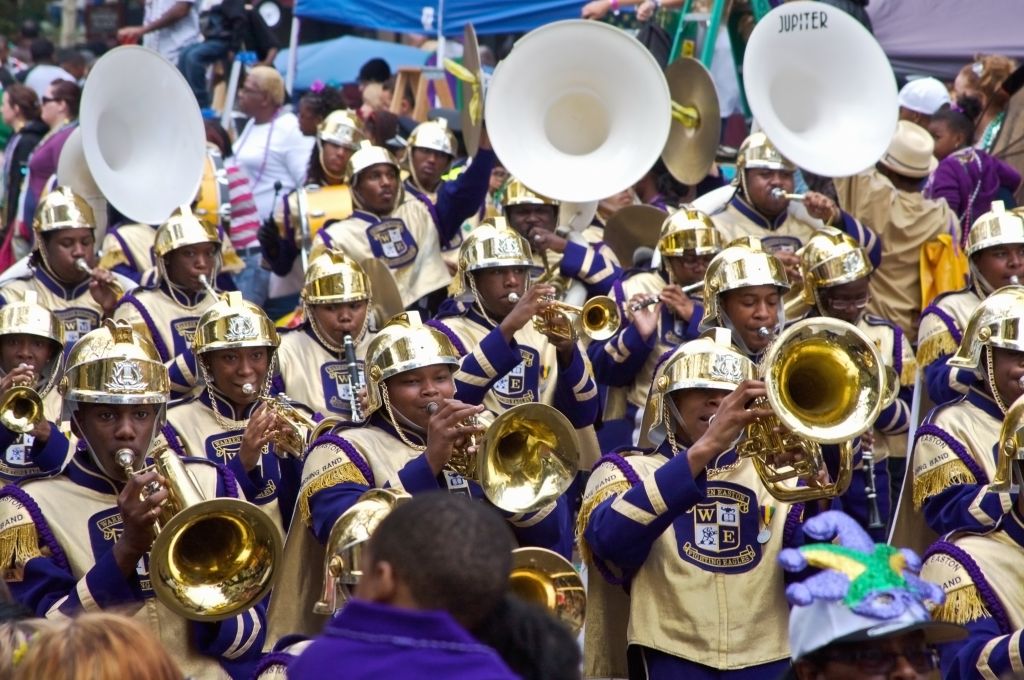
[432, 408]
[125, 458]
[778, 193]
[248, 389]
[1014, 280]
[206, 284]
[81, 264]
[763, 332]
[513, 297]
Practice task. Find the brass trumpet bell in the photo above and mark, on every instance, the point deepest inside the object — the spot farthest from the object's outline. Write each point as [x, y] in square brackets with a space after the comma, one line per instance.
[21, 408]
[545, 578]
[1011, 450]
[598, 319]
[212, 559]
[826, 384]
[528, 458]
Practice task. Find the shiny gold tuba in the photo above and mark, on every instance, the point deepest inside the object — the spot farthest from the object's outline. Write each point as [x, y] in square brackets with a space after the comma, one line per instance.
[1011, 449]
[348, 537]
[826, 385]
[545, 578]
[212, 558]
[21, 409]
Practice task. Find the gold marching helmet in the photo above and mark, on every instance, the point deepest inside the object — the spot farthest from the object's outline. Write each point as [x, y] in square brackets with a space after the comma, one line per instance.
[332, 277]
[346, 542]
[21, 407]
[689, 229]
[405, 343]
[60, 209]
[183, 229]
[492, 244]
[434, 135]
[368, 155]
[996, 322]
[709, 362]
[113, 364]
[757, 151]
[231, 323]
[997, 227]
[831, 258]
[741, 264]
[342, 127]
[517, 193]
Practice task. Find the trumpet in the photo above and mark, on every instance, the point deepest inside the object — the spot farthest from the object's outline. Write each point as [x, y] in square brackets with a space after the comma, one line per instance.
[598, 318]
[114, 286]
[296, 428]
[212, 558]
[21, 409]
[463, 460]
[355, 379]
[778, 193]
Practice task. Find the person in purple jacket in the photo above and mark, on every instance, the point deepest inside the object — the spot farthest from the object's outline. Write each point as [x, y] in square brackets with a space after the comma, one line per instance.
[435, 567]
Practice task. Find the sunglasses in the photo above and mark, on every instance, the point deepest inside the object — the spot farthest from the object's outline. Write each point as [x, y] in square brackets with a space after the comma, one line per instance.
[47, 100]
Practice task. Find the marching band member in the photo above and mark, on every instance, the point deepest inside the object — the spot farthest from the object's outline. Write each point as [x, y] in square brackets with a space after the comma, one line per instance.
[166, 311]
[432, 148]
[31, 348]
[980, 570]
[626, 361]
[837, 273]
[390, 225]
[64, 235]
[127, 249]
[80, 541]
[403, 444]
[995, 252]
[229, 422]
[535, 217]
[691, 529]
[319, 359]
[955, 452]
[743, 289]
[760, 207]
[505, 359]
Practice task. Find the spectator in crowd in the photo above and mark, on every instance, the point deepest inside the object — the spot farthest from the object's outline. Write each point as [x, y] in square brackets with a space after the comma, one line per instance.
[96, 646]
[17, 630]
[315, 104]
[168, 26]
[979, 94]
[20, 110]
[43, 70]
[921, 98]
[75, 63]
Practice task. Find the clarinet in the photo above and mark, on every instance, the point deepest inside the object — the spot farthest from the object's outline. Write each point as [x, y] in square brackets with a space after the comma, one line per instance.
[355, 382]
[868, 459]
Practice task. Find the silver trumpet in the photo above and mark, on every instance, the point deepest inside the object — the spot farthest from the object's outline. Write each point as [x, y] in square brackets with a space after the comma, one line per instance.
[779, 193]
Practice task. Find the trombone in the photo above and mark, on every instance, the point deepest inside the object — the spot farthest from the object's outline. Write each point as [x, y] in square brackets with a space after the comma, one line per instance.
[598, 318]
[212, 558]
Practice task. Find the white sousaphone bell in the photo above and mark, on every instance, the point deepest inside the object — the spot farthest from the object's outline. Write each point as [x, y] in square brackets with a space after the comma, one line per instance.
[578, 111]
[141, 143]
[821, 88]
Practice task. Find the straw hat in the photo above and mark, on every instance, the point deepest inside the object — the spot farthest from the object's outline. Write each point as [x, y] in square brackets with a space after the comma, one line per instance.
[910, 151]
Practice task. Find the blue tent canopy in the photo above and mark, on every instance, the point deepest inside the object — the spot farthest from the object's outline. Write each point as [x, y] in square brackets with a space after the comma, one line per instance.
[340, 59]
[421, 16]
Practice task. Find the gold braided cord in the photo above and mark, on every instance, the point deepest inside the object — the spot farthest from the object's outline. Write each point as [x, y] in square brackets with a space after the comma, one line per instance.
[962, 606]
[616, 488]
[938, 479]
[935, 346]
[394, 421]
[991, 375]
[908, 374]
[344, 473]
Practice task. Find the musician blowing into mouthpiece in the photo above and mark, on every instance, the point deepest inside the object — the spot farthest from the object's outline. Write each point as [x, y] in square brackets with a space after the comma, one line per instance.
[83, 536]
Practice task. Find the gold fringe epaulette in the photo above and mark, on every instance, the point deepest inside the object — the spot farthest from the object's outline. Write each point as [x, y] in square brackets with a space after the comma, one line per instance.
[935, 346]
[346, 472]
[908, 374]
[587, 508]
[961, 606]
[938, 479]
[111, 258]
[18, 545]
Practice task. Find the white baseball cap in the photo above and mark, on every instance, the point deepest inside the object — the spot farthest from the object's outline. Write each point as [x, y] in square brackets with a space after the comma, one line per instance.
[924, 95]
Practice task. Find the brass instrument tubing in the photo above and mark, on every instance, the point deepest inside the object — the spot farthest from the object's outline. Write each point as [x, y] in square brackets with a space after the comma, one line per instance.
[778, 193]
[206, 284]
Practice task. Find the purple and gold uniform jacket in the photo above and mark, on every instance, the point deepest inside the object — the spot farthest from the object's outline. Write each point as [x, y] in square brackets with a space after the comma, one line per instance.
[169, 318]
[128, 250]
[57, 536]
[501, 374]
[954, 460]
[938, 338]
[316, 375]
[405, 240]
[25, 456]
[695, 553]
[192, 429]
[73, 305]
[894, 420]
[980, 572]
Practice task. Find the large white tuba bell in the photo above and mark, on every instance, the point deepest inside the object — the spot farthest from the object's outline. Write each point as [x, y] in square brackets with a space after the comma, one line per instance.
[142, 134]
[578, 111]
[821, 88]
[73, 171]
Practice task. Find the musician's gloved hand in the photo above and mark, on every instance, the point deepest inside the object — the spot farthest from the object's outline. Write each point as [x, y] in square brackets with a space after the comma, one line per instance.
[279, 251]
